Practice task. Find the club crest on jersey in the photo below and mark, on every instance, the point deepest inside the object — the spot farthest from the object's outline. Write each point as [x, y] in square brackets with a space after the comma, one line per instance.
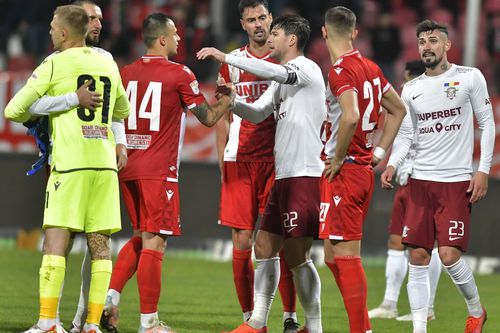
[451, 89]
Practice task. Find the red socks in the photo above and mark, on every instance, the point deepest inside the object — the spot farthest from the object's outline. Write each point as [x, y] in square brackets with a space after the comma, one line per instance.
[149, 280]
[286, 286]
[126, 263]
[243, 275]
[351, 279]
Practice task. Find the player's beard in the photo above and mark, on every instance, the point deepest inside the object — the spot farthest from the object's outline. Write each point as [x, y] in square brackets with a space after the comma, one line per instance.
[428, 63]
[91, 41]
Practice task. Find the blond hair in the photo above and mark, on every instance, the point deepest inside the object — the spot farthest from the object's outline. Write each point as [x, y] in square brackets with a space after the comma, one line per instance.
[74, 18]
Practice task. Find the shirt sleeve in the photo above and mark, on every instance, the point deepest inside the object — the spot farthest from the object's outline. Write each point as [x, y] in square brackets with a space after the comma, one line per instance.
[285, 74]
[41, 77]
[341, 80]
[189, 89]
[18, 108]
[36, 86]
[122, 104]
[483, 111]
[49, 104]
[259, 110]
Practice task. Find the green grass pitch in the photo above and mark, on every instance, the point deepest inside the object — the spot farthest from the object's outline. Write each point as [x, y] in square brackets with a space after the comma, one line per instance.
[198, 297]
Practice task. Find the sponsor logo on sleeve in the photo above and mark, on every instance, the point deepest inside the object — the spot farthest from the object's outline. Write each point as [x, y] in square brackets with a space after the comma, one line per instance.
[195, 87]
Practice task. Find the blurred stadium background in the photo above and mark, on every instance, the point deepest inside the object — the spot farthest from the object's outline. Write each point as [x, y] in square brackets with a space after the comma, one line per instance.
[387, 35]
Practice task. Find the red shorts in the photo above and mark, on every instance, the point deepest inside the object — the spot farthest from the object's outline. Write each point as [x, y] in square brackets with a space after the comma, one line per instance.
[345, 202]
[245, 187]
[293, 208]
[437, 211]
[398, 211]
[153, 205]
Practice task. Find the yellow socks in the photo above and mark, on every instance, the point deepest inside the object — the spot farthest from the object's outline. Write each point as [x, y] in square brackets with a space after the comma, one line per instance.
[51, 279]
[99, 283]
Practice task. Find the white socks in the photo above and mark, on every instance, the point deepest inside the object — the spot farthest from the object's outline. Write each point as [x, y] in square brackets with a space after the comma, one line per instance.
[395, 272]
[246, 316]
[292, 315]
[461, 274]
[308, 285]
[418, 295]
[81, 310]
[267, 276]
[434, 274]
[114, 296]
[149, 320]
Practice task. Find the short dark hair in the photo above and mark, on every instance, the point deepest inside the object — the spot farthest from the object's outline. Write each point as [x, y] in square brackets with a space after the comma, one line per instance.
[153, 26]
[73, 17]
[294, 25]
[252, 4]
[429, 25]
[415, 68]
[341, 19]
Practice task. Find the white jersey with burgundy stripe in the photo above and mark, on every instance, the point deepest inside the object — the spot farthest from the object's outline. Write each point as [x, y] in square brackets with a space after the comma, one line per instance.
[442, 109]
[248, 142]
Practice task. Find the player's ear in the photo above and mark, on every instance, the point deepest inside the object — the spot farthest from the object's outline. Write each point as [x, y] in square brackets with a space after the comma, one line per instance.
[447, 45]
[292, 40]
[324, 32]
[163, 40]
[354, 34]
[242, 24]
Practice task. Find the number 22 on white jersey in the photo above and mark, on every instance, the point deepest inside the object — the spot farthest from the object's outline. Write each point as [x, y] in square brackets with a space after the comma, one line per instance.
[153, 94]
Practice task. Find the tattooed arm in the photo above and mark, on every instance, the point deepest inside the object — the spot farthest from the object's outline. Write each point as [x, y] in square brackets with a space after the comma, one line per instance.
[209, 114]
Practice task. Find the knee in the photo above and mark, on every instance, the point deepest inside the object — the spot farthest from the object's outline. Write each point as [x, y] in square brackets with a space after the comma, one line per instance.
[420, 257]
[242, 239]
[449, 257]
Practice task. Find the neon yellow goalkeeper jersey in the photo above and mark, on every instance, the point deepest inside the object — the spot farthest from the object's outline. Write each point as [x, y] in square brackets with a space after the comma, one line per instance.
[81, 139]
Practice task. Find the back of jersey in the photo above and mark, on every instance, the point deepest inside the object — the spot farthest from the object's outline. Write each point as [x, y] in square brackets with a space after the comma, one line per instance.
[354, 72]
[82, 139]
[159, 92]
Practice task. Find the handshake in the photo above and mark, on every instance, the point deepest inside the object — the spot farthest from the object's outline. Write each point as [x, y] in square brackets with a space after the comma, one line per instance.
[224, 89]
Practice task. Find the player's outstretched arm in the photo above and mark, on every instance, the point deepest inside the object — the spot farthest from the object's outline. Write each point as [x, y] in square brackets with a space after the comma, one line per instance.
[396, 111]
[261, 68]
[209, 114]
[259, 110]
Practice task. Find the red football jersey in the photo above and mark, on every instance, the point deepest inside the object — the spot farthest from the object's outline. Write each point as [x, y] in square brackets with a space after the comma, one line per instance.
[354, 72]
[248, 142]
[159, 92]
